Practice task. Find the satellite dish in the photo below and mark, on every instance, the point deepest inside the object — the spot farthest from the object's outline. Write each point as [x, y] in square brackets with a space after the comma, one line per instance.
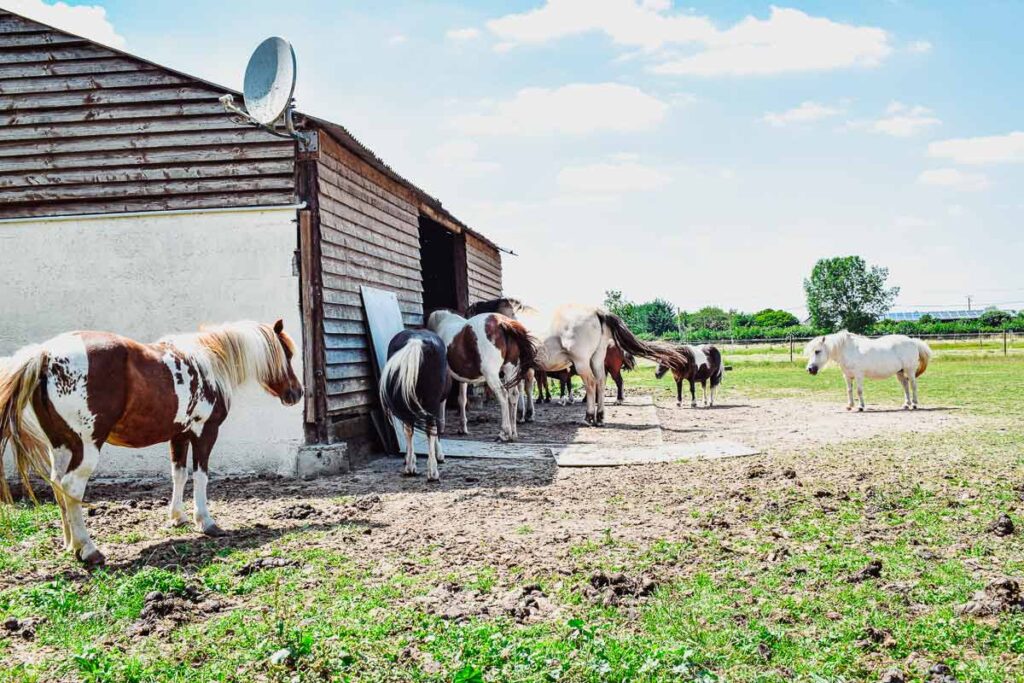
[269, 80]
[268, 89]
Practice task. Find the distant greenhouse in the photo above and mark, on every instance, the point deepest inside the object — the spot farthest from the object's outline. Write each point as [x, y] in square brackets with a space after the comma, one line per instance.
[942, 316]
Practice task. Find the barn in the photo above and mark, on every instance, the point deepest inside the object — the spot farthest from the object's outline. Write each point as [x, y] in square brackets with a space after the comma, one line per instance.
[131, 201]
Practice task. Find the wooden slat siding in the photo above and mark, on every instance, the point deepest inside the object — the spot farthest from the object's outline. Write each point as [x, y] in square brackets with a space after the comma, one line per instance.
[86, 129]
[484, 269]
[165, 203]
[270, 167]
[106, 65]
[164, 110]
[369, 236]
[145, 157]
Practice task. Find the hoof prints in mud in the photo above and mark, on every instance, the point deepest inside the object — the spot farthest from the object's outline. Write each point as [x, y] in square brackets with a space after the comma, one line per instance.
[164, 612]
[616, 588]
[526, 605]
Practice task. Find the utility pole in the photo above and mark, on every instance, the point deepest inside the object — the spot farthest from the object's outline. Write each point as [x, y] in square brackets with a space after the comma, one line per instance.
[969, 298]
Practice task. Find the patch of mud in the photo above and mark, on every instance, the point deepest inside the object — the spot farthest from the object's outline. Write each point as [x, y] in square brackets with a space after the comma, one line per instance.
[526, 605]
[618, 588]
[163, 612]
[1001, 595]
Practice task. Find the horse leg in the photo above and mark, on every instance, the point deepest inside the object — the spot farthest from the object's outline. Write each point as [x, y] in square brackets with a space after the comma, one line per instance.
[693, 393]
[531, 379]
[463, 399]
[860, 392]
[513, 404]
[410, 452]
[179, 474]
[905, 383]
[704, 392]
[72, 486]
[679, 392]
[600, 379]
[620, 396]
[912, 377]
[506, 433]
[849, 392]
[713, 387]
[202, 446]
[433, 446]
[442, 415]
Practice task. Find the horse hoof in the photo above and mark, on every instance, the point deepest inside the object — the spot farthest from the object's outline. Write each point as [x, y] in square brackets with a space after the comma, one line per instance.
[214, 531]
[849, 407]
[409, 473]
[433, 480]
[94, 559]
[860, 409]
[176, 523]
[913, 407]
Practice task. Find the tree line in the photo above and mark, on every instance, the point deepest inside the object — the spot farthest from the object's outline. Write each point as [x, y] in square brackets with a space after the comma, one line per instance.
[842, 293]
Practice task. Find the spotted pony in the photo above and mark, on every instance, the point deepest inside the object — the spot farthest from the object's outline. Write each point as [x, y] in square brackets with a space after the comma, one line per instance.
[62, 400]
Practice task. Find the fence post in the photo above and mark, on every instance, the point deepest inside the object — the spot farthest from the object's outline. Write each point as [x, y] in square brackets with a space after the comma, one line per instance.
[791, 349]
[1004, 343]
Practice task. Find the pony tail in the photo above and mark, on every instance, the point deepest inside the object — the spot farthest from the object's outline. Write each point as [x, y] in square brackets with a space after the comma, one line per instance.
[527, 345]
[924, 354]
[629, 343]
[19, 379]
[398, 382]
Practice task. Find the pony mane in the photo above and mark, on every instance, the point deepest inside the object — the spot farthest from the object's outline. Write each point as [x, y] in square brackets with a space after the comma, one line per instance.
[238, 352]
[830, 342]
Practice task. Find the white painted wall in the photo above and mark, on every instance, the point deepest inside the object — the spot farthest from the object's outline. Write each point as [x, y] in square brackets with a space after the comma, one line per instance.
[150, 275]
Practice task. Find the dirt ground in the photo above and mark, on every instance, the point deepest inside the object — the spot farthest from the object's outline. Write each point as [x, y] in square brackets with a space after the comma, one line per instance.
[506, 514]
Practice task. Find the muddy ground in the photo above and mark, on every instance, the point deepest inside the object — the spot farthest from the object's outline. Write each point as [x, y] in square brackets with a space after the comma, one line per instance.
[518, 516]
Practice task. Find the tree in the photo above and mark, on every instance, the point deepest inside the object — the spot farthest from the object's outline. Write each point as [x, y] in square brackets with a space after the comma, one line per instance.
[993, 317]
[843, 292]
[772, 317]
[661, 317]
[709, 318]
[614, 301]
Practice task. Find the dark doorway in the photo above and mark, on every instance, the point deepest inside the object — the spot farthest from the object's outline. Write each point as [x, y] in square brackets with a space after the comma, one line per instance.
[443, 264]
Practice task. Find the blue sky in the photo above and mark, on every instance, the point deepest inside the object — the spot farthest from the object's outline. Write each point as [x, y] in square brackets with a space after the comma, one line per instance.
[707, 153]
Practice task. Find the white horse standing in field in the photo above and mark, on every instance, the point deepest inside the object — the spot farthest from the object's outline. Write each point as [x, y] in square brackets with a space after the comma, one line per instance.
[859, 357]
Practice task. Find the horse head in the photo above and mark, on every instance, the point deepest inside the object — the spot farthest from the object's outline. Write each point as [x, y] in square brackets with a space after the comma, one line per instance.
[817, 353]
[281, 381]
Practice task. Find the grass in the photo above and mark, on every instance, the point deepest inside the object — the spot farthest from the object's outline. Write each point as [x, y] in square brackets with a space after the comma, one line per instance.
[729, 611]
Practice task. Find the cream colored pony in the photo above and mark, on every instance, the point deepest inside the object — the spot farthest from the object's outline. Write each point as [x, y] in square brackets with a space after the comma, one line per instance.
[859, 357]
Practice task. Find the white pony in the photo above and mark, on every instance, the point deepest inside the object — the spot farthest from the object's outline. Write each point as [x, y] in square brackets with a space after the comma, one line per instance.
[860, 357]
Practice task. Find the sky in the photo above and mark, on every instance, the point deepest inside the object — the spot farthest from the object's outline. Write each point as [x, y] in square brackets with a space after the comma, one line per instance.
[705, 153]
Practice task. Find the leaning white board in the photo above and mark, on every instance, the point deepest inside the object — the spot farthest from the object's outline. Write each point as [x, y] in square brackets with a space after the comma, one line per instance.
[598, 456]
[384, 320]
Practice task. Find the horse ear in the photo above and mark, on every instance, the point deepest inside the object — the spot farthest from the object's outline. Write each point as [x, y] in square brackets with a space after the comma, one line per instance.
[279, 326]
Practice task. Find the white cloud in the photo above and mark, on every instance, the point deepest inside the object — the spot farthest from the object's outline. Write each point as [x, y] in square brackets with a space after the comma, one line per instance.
[954, 178]
[463, 34]
[992, 149]
[788, 40]
[900, 120]
[88, 21]
[912, 222]
[611, 178]
[919, 47]
[397, 39]
[575, 109]
[804, 113]
[461, 155]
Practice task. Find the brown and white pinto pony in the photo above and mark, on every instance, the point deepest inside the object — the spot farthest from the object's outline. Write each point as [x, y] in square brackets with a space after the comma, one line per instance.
[87, 389]
[580, 335]
[703, 364]
[490, 349]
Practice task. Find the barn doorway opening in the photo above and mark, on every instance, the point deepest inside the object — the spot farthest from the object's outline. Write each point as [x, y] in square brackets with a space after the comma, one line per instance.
[443, 264]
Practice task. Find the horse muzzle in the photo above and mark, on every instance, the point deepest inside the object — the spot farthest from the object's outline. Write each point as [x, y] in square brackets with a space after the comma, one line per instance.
[291, 397]
[813, 369]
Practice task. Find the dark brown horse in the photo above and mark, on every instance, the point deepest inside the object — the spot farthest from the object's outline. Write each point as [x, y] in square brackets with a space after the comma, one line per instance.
[414, 386]
[614, 363]
[703, 364]
[88, 389]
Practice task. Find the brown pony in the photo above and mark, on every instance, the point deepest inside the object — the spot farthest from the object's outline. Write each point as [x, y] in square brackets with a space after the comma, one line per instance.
[86, 389]
[614, 363]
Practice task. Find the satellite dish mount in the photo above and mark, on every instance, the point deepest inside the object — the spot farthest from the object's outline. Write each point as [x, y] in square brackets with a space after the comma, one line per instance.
[268, 89]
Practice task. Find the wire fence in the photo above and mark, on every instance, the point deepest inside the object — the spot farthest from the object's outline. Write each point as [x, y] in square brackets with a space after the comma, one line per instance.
[1005, 341]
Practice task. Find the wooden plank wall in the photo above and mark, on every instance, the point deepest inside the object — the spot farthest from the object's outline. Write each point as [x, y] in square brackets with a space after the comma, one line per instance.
[89, 130]
[369, 227]
[484, 265]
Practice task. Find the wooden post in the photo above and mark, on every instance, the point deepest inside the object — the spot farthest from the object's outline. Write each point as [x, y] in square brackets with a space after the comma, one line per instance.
[1005, 350]
[791, 349]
